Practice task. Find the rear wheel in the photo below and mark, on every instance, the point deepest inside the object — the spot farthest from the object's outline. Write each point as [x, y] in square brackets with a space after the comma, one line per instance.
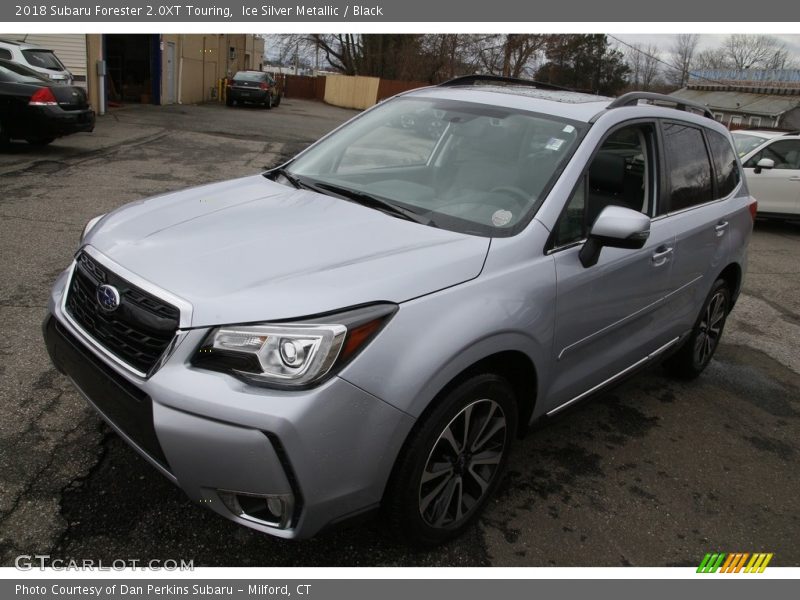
[268, 101]
[452, 463]
[695, 354]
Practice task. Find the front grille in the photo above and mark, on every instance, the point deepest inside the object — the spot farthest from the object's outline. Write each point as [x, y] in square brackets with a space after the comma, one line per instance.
[137, 332]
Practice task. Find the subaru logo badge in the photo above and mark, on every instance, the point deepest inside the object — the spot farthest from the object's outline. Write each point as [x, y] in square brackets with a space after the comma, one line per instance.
[108, 297]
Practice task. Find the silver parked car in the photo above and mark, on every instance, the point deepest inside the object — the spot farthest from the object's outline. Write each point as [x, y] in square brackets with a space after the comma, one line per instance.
[371, 325]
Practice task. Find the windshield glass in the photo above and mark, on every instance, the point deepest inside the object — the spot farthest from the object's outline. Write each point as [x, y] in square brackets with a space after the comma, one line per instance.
[18, 74]
[473, 168]
[746, 143]
[44, 59]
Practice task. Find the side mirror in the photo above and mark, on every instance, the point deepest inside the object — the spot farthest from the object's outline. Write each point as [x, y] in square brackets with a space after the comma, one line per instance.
[764, 163]
[615, 227]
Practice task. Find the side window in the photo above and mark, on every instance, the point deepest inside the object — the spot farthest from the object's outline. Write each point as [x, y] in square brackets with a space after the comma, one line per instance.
[785, 153]
[689, 172]
[622, 173]
[5, 54]
[725, 165]
[571, 225]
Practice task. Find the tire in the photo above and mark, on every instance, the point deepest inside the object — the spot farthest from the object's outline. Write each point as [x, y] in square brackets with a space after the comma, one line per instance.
[437, 489]
[278, 100]
[40, 141]
[698, 349]
[268, 102]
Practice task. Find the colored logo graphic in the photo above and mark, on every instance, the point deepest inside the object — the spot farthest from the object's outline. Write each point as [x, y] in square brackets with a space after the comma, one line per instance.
[735, 562]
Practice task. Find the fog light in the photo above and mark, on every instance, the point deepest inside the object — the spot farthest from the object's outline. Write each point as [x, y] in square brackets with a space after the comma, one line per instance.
[271, 510]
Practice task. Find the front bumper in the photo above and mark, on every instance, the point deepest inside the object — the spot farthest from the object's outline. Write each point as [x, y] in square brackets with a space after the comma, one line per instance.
[330, 449]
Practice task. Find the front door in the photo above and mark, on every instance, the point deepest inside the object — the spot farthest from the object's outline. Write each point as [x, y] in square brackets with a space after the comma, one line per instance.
[611, 315]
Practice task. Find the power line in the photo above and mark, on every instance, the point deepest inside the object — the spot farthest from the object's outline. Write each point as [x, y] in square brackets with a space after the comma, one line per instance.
[673, 67]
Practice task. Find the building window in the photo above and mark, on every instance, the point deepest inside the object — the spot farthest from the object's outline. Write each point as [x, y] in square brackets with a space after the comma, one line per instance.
[736, 121]
[755, 122]
[719, 117]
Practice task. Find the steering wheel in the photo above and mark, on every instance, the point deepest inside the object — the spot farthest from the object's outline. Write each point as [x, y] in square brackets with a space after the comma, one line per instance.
[516, 193]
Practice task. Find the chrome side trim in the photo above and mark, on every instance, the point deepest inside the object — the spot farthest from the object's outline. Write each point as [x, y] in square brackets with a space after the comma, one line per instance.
[613, 378]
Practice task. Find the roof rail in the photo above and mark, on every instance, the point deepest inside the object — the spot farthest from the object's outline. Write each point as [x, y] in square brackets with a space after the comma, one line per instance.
[632, 98]
[796, 132]
[473, 79]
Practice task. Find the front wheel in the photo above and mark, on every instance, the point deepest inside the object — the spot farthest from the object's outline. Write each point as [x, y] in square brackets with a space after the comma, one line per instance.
[452, 462]
[695, 354]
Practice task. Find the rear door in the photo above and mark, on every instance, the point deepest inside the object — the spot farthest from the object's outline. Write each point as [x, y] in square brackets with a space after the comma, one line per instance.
[703, 174]
[778, 189]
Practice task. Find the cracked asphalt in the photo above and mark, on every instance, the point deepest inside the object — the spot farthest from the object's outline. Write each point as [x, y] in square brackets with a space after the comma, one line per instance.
[652, 473]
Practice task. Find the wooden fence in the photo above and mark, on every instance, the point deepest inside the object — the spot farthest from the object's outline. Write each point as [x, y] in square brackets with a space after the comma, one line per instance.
[345, 90]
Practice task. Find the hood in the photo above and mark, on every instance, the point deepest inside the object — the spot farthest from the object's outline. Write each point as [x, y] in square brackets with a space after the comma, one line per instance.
[254, 250]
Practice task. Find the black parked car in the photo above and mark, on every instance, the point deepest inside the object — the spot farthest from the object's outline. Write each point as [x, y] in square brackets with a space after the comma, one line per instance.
[37, 109]
[253, 86]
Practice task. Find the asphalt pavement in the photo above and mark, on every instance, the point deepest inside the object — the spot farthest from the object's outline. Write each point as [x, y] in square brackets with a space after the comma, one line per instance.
[653, 473]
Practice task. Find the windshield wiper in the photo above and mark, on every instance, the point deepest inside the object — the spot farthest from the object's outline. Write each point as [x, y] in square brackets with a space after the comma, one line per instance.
[282, 171]
[377, 203]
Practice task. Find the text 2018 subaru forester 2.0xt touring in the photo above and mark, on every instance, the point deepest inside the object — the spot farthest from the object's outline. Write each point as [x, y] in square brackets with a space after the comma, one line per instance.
[372, 324]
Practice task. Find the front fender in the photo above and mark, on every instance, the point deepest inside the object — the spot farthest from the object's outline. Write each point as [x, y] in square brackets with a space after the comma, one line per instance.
[434, 338]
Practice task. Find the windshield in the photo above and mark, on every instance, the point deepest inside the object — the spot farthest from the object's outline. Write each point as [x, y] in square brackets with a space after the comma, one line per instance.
[44, 59]
[746, 143]
[18, 74]
[467, 167]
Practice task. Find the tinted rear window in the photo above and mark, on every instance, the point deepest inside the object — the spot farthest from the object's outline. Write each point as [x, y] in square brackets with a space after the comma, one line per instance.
[727, 169]
[689, 167]
[44, 59]
[245, 76]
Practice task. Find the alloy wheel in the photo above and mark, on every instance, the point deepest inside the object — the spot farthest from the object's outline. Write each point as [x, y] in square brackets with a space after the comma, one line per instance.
[462, 464]
[710, 328]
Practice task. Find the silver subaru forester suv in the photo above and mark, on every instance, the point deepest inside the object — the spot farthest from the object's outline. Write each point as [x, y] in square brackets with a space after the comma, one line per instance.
[371, 325]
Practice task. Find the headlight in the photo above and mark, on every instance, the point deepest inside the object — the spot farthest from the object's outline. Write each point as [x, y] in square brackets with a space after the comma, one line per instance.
[292, 355]
[89, 226]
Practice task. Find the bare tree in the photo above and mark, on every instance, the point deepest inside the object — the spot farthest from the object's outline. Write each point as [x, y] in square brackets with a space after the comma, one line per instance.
[713, 59]
[510, 55]
[683, 51]
[747, 51]
[645, 65]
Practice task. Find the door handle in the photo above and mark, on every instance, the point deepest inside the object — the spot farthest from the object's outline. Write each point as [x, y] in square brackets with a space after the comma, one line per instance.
[661, 255]
[720, 228]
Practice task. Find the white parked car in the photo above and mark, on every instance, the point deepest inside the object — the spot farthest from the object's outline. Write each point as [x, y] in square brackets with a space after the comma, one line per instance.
[771, 161]
[42, 60]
